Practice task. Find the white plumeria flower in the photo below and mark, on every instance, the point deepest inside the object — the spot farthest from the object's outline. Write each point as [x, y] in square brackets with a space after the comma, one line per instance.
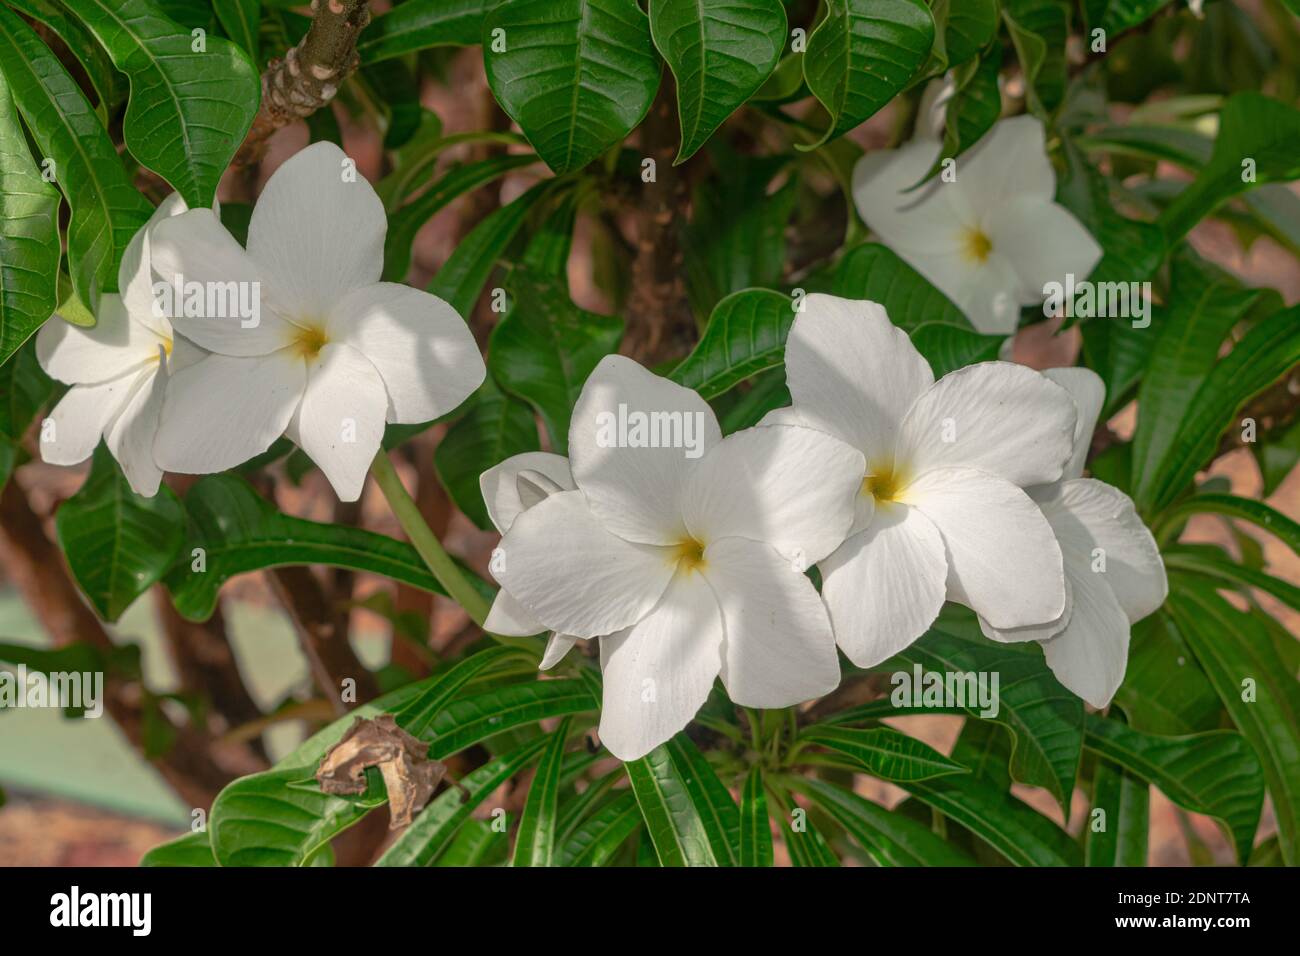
[991, 239]
[1113, 570]
[510, 488]
[687, 568]
[941, 513]
[118, 369]
[334, 353]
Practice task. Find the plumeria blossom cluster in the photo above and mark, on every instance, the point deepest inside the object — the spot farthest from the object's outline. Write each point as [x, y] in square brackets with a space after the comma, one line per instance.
[187, 384]
[904, 491]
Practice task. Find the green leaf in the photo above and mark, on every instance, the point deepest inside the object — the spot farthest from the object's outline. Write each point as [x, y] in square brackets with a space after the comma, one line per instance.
[713, 800]
[1257, 513]
[117, 543]
[1125, 800]
[29, 236]
[862, 54]
[106, 208]
[422, 842]
[679, 816]
[1205, 304]
[576, 75]
[808, 848]
[545, 347]
[883, 752]
[421, 24]
[1116, 16]
[975, 106]
[408, 220]
[965, 27]
[891, 839]
[746, 335]
[239, 531]
[1232, 574]
[535, 838]
[469, 720]
[193, 849]
[755, 830]
[495, 427]
[937, 328]
[1039, 29]
[109, 85]
[1233, 648]
[1263, 356]
[188, 111]
[1164, 691]
[720, 52]
[461, 279]
[24, 390]
[475, 844]
[240, 20]
[1257, 136]
[1215, 773]
[598, 838]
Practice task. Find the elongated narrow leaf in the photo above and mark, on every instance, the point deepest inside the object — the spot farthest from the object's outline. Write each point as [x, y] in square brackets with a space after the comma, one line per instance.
[29, 236]
[975, 106]
[576, 75]
[1117, 837]
[406, 222]
[802, 838]
[472, 719]
[118, 544]
[495, 427]
[746, 335]
[193, 849]
[1214, 773]
[1263, 516]
[890, 838]
[233, 530]
[106, 208]
[713, 800]
[1260, 693]
[862, 54]
[755, 830]
[720, 52]
[883, 752]
[598, 838]
[938, 328]
[535, 838]
[1225, 571]
[109, 85]
[188, 110]
[421, 24]
[416, 715]
[675, 810]
[476, 843]
[433, 830]
[240, 20]
[545, 347]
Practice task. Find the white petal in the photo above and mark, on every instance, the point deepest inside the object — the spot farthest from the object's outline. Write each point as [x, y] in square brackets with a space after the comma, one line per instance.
[779, 649]
[575, 576]
[315, 236]
[556, 648]
[926, 220]
[1003, 559]
[795, 488]
[987, 292]
[853, 373]
[114, 346]
[782, 416]
[131, 435]
[423, 349]
[1007, 420]
[501, 486]
[81, 417]
[195, 247]
[510, 618]
[1035, 632]
[1008, 163]
[1044, 243]
[885, 586]
[1089, 393]
[636, 491]
[1087, 515]
[135, 274]
[1089, 656]
[340, 422]
[222, 411]
[658, 673]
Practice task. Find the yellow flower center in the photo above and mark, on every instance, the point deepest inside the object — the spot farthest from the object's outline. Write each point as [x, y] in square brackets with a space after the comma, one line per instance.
[308, 341]
[166, 344]
[884, 483]
[976, 245]
[688, 555]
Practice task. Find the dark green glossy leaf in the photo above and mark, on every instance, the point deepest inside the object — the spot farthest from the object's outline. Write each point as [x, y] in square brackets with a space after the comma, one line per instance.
[193, 849]
[1038, 30]
[188, 110]
[1116, 16]
[746, 334]
[975, 106]
[240, 19]
[804, 841]
[535, 838]
[420, 24]
[1257, 513]
[720, 52]
[1164, 691]
[599, 837]
[24, 390]
[576, 75]
[471, 719]
[1231, 573]
[1119, 838]
[110, 86]
[755, 830]
[676, 810]
[117, 543]
[713, 800]
[883, 752]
